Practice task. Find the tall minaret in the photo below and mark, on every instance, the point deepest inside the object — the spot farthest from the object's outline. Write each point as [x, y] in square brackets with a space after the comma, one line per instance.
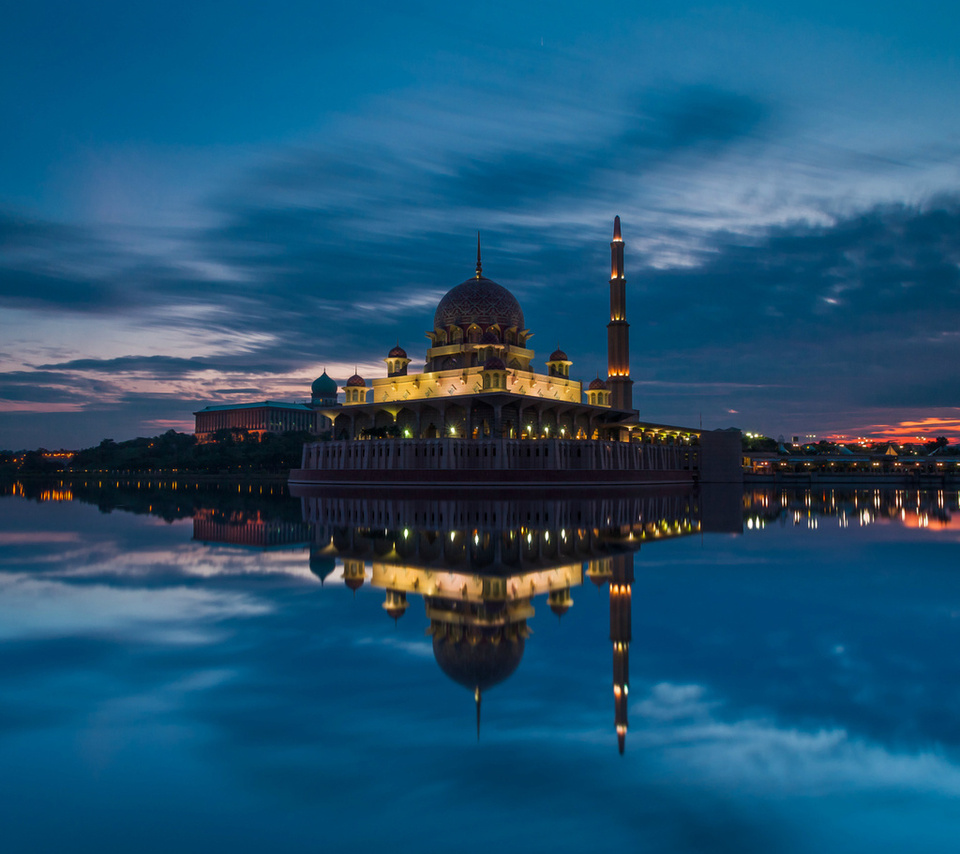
[618, 330]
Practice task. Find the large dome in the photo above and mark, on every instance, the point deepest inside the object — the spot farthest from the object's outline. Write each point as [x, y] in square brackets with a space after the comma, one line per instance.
[482, 665]
[481, 301]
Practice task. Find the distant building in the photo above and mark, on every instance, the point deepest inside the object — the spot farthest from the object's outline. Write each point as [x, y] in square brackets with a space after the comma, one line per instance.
[269, 416]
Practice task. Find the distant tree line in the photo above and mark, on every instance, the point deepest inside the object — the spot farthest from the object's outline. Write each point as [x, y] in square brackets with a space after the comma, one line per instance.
[755, 443]
[230, 451]
[223, 499]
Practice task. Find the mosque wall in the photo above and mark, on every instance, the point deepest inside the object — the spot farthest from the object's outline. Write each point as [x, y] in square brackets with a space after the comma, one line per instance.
[470, 381]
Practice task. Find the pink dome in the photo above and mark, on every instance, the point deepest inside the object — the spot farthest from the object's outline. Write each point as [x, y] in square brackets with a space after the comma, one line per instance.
[479, 301]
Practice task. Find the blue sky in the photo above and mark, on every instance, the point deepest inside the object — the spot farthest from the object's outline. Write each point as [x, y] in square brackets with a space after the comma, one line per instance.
[212, 202]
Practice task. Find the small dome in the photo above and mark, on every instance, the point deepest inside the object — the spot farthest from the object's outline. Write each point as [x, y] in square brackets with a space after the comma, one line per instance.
[490, 337]
[558, 356]
[354, 583]
[597, 385]
[356, 380]
[324, 386]
[560, 608]
[479, 301]
[599, 576]
[494, 364]
[397, 353]
[321, 566]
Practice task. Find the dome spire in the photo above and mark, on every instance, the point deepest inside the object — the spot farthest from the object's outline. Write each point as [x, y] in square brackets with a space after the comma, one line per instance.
[479, 266]
[476, 696]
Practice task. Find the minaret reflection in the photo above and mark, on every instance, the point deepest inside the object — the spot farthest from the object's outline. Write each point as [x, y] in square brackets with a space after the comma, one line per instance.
[621, 582]
[478, 566]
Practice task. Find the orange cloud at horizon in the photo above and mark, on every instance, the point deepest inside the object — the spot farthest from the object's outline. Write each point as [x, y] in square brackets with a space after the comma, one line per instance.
[923, 430]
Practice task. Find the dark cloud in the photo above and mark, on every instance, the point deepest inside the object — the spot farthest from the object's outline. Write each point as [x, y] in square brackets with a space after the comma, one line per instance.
[312, 242]
[156, 365]
[19, 233]
[695, 117]
[329, 256]
[29, 289]
[847, 311]
[46, 264]
[49, 387]
[697, 121]
[256, 361]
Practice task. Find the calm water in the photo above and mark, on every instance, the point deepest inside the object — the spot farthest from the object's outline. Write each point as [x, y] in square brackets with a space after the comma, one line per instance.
[176, 676]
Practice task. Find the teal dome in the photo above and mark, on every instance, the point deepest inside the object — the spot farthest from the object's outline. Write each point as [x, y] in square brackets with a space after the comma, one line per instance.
[323, 386]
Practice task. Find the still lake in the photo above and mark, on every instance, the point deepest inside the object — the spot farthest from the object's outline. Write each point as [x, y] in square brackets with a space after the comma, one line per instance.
[236, 669]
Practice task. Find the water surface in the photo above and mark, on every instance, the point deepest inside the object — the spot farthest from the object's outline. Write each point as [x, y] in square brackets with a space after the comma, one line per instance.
[190, 669]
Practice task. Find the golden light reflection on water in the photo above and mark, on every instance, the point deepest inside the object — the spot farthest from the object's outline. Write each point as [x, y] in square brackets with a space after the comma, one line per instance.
[932, 510]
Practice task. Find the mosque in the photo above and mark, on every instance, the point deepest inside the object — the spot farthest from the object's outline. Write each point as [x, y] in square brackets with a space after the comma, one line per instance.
[479, 380]
[469, 416]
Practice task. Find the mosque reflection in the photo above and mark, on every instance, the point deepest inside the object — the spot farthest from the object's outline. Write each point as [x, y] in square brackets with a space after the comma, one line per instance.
[479, 564]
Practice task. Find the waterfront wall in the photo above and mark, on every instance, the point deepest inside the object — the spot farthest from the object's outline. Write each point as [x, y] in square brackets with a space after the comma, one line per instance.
[665, 512]
[495, 460]
[903, 480]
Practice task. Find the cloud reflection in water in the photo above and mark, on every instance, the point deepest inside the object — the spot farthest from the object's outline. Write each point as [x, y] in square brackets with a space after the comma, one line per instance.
[786, 686]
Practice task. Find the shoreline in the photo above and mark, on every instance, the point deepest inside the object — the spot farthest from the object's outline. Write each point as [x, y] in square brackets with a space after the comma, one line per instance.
[926, 481]
[152, 477]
